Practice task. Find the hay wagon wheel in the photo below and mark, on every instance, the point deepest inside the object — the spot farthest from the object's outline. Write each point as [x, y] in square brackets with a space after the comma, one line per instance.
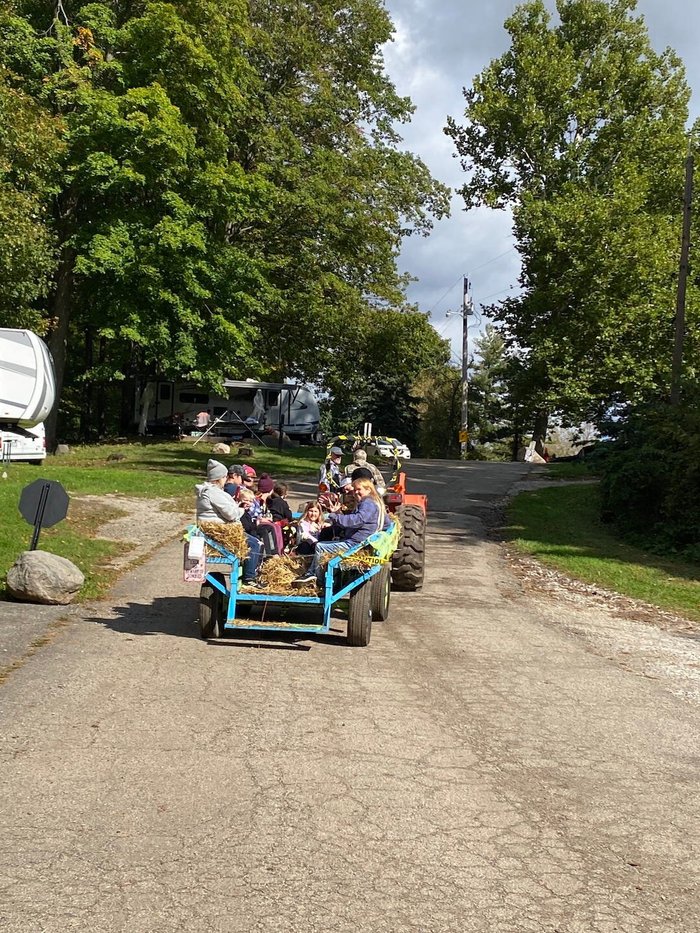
[360, 616]
[381, 594]
[211, 610]
[408, 562]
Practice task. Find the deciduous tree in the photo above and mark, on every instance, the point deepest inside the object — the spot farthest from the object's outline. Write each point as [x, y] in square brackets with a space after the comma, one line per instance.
[232, 193]
[579, 128]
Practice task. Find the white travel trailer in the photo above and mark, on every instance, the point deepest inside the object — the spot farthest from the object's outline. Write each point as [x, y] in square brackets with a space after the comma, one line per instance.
[248, 407]
[27, 380]
[17, 443]
[27, 394]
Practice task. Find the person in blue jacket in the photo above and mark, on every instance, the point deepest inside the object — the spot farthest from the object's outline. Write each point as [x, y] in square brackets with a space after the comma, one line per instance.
[367, 518]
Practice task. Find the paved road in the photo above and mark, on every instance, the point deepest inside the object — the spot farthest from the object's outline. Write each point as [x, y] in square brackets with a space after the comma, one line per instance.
[477, 768]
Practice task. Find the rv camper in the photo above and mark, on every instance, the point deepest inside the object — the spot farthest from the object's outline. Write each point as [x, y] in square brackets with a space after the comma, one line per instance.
[27, 394]
[247, 408]
[27, 380]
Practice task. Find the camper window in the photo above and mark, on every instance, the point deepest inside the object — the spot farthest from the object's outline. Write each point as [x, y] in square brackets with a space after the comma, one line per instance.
[195, 398]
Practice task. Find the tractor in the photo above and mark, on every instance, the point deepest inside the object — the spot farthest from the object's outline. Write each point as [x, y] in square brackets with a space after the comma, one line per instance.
[408, 561]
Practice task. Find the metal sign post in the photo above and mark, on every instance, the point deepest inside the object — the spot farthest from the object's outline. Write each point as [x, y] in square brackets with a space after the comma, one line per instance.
[43, 503]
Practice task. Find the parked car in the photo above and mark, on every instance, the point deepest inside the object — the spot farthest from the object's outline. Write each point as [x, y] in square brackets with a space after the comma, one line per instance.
[388, 448]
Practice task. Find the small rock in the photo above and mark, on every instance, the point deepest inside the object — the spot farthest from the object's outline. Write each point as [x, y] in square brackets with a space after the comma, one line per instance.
[246, 451]
[221, 449]
[62, 450]
[116, 457]
[41, 577]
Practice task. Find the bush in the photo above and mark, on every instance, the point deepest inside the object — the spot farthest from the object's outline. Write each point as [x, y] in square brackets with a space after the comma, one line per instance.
[650, 483]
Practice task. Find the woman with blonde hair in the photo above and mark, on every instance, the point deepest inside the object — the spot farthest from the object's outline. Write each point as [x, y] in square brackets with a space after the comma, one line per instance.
[367, 518]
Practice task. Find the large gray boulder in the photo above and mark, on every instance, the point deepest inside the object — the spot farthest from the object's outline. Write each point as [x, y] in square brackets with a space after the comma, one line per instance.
[40, 577]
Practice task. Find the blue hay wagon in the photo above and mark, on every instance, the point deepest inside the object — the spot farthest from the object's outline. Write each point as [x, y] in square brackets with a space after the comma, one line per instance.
[367, 593]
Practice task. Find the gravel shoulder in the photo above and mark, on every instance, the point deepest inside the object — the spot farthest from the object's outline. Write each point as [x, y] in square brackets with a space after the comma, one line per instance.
[639, 637]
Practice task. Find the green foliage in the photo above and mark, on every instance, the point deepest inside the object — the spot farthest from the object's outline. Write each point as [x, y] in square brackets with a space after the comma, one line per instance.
[373, 373]
[651, 477]
[579, 128]
[30, 145]
[440, 390]
[489, 402]
[561, 527]
[229, 194]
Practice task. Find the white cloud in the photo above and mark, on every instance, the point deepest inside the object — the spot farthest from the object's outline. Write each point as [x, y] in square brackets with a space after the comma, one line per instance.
[439, 46]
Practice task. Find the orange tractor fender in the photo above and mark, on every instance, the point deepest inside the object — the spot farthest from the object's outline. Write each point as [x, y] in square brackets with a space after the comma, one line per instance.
[396, 495]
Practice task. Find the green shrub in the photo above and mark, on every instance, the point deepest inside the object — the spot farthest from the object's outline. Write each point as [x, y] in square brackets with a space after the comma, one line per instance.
[650, 483]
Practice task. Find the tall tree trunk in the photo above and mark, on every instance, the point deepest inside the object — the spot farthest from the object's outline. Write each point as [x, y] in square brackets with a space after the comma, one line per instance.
[541, 424]
[86, 413]
[517, 441]
[61, 308]
[101, 393]
[128, 403]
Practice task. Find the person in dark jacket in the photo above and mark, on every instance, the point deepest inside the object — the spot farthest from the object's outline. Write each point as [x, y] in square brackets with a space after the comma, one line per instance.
[365, 520]
[278, 505]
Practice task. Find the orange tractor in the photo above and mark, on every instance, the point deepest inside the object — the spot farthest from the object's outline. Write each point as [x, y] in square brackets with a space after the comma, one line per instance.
[408, 560]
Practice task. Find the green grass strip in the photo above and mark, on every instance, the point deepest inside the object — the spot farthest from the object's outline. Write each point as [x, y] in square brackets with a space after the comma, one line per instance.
[152, 470]
[560, 526]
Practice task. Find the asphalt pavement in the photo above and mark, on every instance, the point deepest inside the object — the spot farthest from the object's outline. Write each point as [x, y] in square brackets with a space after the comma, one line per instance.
[477, 768]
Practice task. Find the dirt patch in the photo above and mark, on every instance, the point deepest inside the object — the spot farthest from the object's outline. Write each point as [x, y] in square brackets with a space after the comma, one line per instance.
[143, 524]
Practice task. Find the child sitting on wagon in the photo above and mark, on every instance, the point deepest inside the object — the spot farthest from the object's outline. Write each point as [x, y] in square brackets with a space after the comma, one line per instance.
[309, 528]
[278, 505]
[368, 517]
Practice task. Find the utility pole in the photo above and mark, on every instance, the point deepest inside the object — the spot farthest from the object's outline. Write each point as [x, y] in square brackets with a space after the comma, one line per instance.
[677, 367]
[467, 310]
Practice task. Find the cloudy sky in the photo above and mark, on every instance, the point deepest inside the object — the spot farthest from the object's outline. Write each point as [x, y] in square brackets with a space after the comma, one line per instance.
[439, 46]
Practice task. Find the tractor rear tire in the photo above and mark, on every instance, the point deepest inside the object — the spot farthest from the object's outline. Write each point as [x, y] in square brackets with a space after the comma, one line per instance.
[408, 562]
[360, 616]
[381, 594]
[211, 611]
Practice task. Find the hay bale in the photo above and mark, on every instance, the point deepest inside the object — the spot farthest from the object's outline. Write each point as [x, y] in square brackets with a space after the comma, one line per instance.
[277, 574]
[229, 535]
[362, 560]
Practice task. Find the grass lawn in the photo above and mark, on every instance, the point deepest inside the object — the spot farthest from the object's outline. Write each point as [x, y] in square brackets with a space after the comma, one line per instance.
[568, 469]
[560, 527]
[148, 470]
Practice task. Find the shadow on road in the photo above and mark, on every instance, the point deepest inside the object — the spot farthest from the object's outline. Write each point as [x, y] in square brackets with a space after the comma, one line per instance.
[167, 615]
[177, 616]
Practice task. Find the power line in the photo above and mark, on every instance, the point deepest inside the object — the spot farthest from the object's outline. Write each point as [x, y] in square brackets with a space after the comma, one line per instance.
[493, 294]
[489, 261]
[460, 278]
